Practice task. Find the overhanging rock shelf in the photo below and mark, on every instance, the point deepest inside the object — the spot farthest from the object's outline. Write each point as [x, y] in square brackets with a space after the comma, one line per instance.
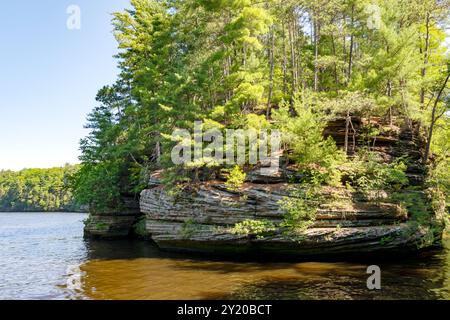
[201, 221]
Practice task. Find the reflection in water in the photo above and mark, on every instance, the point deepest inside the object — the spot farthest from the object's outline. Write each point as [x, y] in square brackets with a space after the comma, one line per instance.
[43, 256]
[137, 270]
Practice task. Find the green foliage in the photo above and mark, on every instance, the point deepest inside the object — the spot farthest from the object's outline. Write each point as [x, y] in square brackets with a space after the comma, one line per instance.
[38, 190]
[317, 157]
[258, 228]
[291, 65]
[439, 173]
[368, 173]
[300, 208]
[109, 167]
[189, 228]
[175, 180]
[424, 216]
[416, 204]
[386, 240]
[235, 179]
[98, 186]
[101, 226]
[139, 228]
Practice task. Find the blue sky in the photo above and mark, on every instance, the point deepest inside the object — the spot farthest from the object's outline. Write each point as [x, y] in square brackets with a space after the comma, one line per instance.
[49, 76]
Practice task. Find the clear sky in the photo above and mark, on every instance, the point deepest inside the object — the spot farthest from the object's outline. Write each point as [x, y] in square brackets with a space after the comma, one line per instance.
[49, 76]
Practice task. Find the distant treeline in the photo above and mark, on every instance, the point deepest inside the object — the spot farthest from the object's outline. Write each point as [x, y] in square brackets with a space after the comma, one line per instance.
[38, 190]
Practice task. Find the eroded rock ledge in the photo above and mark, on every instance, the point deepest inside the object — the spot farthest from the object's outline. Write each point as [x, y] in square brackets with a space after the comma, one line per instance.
[113, 224]
[202, 221]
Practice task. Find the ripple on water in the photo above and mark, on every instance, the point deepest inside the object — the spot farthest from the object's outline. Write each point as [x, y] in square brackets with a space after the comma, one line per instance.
[44, 256]
[159, 277]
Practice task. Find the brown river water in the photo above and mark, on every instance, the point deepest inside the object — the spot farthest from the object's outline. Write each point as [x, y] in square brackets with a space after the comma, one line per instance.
[44, 256]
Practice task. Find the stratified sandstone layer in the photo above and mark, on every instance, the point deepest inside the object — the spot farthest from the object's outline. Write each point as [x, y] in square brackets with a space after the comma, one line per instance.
[113, 224]
[202, 217]
[202, 221]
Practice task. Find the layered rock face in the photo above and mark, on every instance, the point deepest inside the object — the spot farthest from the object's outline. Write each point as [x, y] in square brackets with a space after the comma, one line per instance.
[113, 225]
[389, 144]
[202, 220]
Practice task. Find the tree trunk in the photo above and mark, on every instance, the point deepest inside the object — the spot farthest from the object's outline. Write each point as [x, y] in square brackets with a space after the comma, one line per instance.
[336, 79]
[433, 120]
[293, 82]
[389, 94]
[350, 58]
[316, 54]
[347, 126]
[284, 60]
[425, 59]
[271, 57]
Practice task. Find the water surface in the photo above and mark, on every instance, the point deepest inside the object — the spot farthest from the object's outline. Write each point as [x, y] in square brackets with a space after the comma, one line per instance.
[36, 250]
[43, 256]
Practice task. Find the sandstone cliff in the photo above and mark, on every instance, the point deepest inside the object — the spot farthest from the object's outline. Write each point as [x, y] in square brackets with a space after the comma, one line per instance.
[203, 220]
[113, 224]
[203, 216]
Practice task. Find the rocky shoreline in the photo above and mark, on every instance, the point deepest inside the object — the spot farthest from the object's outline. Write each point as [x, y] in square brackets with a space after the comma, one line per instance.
[202, 217]
[202, 221]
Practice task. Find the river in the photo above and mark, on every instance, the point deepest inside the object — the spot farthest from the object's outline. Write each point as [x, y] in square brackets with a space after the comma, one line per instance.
[44, 256]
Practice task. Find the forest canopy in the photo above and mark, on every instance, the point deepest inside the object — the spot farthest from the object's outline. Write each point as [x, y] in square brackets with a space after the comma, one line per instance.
[283, 64]
[46, 190]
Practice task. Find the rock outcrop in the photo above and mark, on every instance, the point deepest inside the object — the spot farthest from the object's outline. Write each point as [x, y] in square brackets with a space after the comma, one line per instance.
[392, 142]
[203, 221]
[113, 224]
[203, 217]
